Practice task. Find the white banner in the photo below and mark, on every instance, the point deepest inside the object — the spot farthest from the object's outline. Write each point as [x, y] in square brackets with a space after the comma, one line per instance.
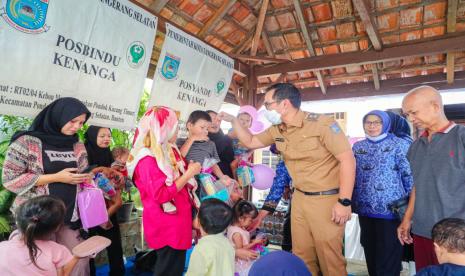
[97, 51]
[191, 75]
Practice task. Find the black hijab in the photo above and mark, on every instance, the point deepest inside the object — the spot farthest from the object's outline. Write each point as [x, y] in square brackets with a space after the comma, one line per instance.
[399, 126]
[95, 154]
[48, 123]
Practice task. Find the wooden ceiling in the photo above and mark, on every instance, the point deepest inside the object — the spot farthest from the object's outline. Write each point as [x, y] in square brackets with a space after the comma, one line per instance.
[321, 44]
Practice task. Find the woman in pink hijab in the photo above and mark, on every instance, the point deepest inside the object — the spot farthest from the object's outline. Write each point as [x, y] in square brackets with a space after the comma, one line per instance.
[166, 186]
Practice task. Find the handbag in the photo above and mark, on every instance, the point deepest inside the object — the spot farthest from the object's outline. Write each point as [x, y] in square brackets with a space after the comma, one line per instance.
[399, 207]
[91, 205]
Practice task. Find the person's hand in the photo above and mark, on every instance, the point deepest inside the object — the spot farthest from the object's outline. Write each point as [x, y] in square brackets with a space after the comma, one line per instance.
[341, 214]
[403, 232]
[226, 117]
[69, 176]
[193, 168]
[259, 241]
[256, 221]
[226, 180]
[107, 225]
[113, 175]
[246, 254]
[287, 193]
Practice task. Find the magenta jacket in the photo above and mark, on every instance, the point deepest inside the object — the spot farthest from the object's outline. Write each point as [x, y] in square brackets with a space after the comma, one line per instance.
[162, 229]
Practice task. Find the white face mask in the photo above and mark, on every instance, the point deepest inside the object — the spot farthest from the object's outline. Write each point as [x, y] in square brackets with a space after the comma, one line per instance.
[273, 116]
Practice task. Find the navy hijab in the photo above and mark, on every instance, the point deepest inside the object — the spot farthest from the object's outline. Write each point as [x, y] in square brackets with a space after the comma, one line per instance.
[399, 126]
[279, 263]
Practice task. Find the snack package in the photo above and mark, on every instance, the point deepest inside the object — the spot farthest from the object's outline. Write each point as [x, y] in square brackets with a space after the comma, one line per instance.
[245, 175]
[210, 187]
[105, 185]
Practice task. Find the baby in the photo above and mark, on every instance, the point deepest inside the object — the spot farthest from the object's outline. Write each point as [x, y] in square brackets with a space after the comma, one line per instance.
[120, 155]
[241, 153]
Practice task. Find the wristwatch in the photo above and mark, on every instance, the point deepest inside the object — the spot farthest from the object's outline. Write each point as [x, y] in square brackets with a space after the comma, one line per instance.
[344, 201]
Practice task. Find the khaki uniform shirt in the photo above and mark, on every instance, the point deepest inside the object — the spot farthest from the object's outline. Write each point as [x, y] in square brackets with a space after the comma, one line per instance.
[309, 146]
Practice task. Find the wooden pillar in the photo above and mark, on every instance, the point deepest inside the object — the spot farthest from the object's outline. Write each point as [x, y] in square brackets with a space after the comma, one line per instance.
[252, 86]
[256, 99]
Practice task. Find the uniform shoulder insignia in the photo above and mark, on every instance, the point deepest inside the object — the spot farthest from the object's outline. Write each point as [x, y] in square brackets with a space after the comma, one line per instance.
[312, 116]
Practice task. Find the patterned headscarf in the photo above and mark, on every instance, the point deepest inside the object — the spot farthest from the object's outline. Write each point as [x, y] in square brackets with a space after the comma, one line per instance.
[155, 129]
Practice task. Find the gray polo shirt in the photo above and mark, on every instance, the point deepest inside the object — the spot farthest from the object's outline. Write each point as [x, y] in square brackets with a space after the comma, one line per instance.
[438, 169]
[200, 150]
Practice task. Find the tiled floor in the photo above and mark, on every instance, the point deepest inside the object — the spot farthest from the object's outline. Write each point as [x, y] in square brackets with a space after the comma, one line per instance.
[359, 268]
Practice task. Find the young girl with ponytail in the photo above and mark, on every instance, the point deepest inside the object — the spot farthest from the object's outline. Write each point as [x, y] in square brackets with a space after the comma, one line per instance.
[30, 250]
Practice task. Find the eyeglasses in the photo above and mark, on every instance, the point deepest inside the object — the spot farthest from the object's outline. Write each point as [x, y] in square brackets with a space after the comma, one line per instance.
[268, 104]
[374, 123]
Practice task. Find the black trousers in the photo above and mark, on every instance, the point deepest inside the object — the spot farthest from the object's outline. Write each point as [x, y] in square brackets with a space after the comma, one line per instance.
[286, 244]
[114, 251]
[169, 262]
[383, 251]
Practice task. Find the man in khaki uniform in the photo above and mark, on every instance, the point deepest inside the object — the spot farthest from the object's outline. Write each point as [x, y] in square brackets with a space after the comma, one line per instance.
[320, 161]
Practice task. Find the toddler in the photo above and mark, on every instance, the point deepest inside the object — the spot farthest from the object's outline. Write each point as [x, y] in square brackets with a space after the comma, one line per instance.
[241, 153]
[198, 147]
[213, 255]
[121, 155]
[244, 213]
[29, 251]
[449, 245]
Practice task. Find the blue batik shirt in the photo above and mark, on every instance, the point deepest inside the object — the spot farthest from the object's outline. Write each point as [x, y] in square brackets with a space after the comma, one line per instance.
[382, 175]
[280, 182]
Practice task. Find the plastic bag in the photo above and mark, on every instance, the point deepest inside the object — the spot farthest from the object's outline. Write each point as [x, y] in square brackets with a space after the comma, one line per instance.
[242, 267]
[91, 205]
[245, 175]
[210, 186]
[105, 185]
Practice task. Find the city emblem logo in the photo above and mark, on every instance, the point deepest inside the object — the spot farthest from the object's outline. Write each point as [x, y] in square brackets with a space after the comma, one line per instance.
[135, 54]
[27, 16]
[170, 66]
[220, 85]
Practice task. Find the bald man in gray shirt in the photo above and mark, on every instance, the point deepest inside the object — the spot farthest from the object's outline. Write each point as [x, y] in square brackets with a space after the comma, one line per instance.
[437, 160]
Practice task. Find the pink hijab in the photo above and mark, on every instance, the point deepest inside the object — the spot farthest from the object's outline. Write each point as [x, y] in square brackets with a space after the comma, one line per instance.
[152, 138]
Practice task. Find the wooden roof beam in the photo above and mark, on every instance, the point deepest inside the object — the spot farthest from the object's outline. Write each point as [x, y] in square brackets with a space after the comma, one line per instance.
[241, 47]
[364, 10]
[374, 69]
[268, 47]
[212, 22]
[308, 42]
[451, 23]
[391, 86]
[259, 28]
[357, 76]
[158, 5]
[434, 45]
[259, 58]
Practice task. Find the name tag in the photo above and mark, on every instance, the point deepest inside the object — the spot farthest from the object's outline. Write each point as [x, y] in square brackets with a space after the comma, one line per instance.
[279, 139]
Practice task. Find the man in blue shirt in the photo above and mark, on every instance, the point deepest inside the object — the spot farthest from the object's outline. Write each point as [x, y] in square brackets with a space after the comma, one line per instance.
[281, 183]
